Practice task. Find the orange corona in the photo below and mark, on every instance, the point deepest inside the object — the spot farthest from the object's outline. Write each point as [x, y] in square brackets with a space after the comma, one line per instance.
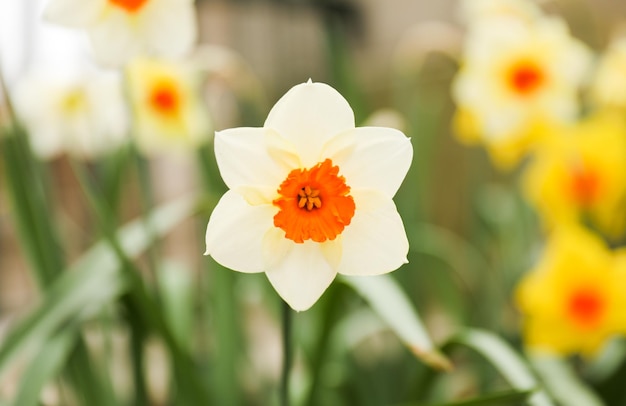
[164, 98]
[314, 203]
[525, 78]
[584, 186]
[586, 307]
[129, 5]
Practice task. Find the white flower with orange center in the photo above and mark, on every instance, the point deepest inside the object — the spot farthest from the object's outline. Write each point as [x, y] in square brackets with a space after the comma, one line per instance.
[516, 78]
[84, 116]
[310, 196]
[122, 29]
[168, 109]
[574, 299]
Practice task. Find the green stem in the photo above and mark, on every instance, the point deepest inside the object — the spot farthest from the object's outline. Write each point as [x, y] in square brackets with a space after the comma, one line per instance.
[287, 354]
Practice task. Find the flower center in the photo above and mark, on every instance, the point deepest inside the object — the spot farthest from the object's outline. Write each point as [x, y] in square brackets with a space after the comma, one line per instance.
[129, 5]
[164, 98]
[586, 307]
[525, 77]
[314, 204]
[584, 185]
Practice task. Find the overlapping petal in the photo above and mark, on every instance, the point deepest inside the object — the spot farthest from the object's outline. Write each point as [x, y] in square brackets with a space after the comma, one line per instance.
[375, 242]
[302, 276]
[309, 115]
[245, 162]
[372, 157]
[235, 233]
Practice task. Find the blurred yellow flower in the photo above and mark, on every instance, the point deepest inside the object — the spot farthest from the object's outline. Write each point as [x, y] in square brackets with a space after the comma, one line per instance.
[169, 115]
[516, 79]
[609, 83]
[580, 175]
[84, 116]
[574, 299]
[122, 29]
[310, 196]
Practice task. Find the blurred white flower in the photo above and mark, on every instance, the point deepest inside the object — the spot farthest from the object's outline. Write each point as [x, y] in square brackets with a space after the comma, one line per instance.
[310, 196]
[517, 76]
[169, 115]
[123, 29]
[84, 116]
[609, 83]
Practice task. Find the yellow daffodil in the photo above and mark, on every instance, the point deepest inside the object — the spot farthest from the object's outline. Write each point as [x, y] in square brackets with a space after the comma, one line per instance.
[310, 196]
[609, 83]
[580, 175]
[168, 110]
[122, 29]
[574, 300]
[515, 80]
[84, 116]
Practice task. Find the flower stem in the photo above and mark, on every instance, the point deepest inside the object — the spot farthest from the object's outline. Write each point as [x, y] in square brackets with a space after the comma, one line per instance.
[287, 354]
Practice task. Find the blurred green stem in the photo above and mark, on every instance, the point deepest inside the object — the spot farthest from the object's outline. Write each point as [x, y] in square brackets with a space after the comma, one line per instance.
[287, 354]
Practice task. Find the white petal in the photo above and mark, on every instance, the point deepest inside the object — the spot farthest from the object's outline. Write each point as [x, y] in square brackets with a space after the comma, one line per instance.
[74, 13]
[302, 276]
[372, 158]
[116, 39]
[235, 233]
[245, 162]
[170, 29]
[308, 115]
[375, 241]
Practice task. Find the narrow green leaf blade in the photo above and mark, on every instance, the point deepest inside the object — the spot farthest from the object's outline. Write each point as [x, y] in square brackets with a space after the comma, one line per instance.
[45, 366]
[562, 382]
[389, 301]
[506, 361]
[91, 283]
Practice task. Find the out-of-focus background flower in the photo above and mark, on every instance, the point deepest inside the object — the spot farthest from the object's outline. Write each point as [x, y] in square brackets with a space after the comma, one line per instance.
[515, 204]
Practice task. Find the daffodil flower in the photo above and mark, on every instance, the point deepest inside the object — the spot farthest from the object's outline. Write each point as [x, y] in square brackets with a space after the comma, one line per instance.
[310, 196]
[579, 175]
[84, 116]
[168, 110]
[517, 79]
[574, 300]
[122, 29]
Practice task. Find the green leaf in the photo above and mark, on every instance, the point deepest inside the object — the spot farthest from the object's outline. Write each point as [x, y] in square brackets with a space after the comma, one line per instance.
[510, 397]
[91, 283]
[505, 360]
[562, 382]
[389, 301]
[45, 366]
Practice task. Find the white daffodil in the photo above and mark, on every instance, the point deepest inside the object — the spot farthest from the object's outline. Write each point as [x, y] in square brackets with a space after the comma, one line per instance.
[310, 196]
[122, 29]
[84, 116]
[517, 77]
[169, 115]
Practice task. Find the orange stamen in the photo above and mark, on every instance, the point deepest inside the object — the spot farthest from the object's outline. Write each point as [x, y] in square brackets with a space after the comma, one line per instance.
[525, 78]
[164, 98]
[586, 307]
[314, 204]
[129, 5]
